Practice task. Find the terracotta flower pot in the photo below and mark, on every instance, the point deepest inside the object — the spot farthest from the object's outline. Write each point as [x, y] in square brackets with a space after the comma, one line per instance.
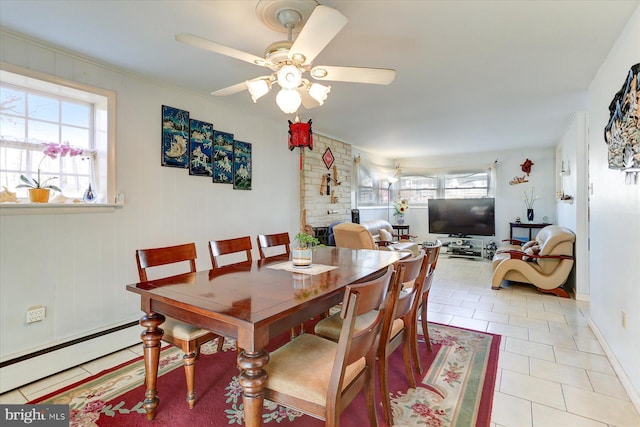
[39, 195]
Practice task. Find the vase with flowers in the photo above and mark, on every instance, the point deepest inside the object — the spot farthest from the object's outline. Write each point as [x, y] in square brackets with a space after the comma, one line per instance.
[400, 208]
[529, 200]
[39, 189]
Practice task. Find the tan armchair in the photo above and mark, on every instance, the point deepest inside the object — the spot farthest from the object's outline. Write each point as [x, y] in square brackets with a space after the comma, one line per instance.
[359, 236]
[546, 264]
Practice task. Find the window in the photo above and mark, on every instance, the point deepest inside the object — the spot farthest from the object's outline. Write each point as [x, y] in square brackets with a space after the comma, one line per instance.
[466, 185]
[372, 190]
[446, 185]
[418, 189]
[36, 109]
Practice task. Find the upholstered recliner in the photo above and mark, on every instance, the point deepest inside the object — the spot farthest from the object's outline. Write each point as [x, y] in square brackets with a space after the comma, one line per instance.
[546, 263]
[358, 236]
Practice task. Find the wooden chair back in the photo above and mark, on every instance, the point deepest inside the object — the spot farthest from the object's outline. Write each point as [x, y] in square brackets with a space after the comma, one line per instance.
[183, 335]
[431, 253]
[342, 363]
[218, 248]
[274, 240]
[155, 257]
[398, 326]
[355, 344]
[426, 277]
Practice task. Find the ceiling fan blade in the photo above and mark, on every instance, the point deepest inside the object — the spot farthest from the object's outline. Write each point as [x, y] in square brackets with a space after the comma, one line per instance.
[377, 76]
[321, 27]
[206, 44]
[230, 90]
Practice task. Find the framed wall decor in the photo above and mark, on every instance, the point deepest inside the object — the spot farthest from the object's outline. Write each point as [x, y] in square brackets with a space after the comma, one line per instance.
[222, 157]
[200, 148]
[621, 132]
[328, 158]
[175, 137]
[241, 165]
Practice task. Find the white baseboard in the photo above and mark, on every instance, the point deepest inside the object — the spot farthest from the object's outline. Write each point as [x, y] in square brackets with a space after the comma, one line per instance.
[624, 379]
[39, 367]
[583, 297]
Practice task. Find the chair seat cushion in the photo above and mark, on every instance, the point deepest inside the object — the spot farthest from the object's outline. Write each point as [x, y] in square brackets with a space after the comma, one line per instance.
[181, 330]
[330, 327]
[302, 368]
[396, 327]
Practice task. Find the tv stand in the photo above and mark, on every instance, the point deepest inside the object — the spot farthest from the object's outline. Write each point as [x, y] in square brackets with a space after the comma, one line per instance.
[464, 247]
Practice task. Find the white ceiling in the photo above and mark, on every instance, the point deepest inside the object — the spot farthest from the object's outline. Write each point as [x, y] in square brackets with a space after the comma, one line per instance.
[471, 75]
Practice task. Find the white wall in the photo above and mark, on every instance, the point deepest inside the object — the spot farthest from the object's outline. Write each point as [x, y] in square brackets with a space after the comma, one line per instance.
[509, 203]
[615, 218]
[572, 150]
[77, 265]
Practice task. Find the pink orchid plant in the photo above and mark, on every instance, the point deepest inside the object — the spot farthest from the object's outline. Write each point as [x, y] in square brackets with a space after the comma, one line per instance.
[53, 151]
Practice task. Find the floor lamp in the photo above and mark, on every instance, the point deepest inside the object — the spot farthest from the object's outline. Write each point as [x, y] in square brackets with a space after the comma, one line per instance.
[392, 180]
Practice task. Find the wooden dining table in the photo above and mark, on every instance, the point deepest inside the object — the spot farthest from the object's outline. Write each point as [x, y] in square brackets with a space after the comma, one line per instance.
[251, 302]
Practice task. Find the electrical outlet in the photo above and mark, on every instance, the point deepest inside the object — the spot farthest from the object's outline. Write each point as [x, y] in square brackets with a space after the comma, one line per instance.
[623, 319]
[35, 313]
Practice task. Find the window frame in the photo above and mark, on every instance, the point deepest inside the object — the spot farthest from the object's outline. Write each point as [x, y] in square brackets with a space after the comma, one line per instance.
[104, 134]
[396, 191]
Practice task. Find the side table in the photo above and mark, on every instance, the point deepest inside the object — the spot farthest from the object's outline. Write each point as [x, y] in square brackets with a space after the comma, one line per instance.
[402, 231]
[527, 225]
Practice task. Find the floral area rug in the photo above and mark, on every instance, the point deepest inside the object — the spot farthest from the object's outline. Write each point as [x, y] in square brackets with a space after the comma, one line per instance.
[456, 390]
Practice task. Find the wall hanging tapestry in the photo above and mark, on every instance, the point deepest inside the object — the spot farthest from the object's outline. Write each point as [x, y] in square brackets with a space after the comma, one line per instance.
[175, 137]
[622, 132]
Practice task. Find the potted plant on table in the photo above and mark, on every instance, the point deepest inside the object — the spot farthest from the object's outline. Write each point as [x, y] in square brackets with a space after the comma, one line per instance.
[301, 254]
[39, 189]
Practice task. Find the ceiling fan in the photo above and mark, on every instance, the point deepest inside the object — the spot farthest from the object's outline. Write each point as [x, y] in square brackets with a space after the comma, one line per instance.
[290, 59]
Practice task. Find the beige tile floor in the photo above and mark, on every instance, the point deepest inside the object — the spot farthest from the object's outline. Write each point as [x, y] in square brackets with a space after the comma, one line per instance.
[552, 371]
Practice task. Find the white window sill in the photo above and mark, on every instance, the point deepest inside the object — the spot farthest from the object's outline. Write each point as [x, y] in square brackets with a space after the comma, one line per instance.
[27, 208]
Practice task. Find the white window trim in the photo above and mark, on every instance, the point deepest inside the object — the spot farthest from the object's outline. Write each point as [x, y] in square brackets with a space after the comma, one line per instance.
[105, 142]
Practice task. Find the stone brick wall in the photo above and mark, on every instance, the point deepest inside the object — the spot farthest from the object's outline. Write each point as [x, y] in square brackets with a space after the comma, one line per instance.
[319, 210]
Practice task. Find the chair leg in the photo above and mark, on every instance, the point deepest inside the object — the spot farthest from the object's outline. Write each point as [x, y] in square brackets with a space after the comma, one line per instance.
[370, 396]
[383, 379]
[406, 355]
[425, 326]
[189, 360]
[220, 343]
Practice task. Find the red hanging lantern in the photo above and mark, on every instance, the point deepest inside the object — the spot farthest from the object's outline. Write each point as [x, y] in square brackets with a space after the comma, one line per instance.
[300, 135]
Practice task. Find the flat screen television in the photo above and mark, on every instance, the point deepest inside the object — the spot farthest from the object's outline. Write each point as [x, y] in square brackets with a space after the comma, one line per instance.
[462, 217]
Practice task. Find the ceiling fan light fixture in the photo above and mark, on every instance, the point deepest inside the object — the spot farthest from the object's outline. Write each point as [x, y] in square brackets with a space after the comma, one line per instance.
[319, 73]
[289, 77]
[288, 100]
[298, 58]
[258, 88]
[319, 92]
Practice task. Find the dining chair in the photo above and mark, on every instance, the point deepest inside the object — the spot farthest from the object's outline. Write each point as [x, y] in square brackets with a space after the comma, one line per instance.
[431, 260]
[219, 249]
[274, 241]
[187, 337]
[397, 327]
[321, 377]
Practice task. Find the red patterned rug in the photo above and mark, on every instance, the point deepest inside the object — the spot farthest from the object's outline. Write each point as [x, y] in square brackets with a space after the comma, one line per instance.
[457, 389]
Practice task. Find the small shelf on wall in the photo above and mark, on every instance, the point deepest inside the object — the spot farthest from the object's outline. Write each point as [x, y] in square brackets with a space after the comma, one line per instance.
[569, 201]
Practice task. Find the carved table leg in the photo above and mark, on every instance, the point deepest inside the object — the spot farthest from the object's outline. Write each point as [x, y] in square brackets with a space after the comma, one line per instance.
[252, 379]
[151, 342]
